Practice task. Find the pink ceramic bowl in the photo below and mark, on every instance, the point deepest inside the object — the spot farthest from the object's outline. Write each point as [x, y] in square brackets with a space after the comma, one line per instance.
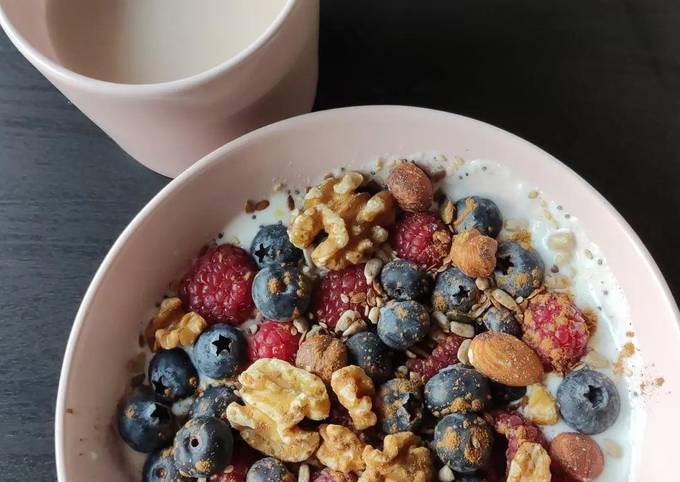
[159, 243]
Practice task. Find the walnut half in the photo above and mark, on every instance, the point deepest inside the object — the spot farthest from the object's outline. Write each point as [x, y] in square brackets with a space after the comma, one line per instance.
[340, 449]
[264, 434]
[355, 391]
[284, 393]
[355, 222]
[401, 459]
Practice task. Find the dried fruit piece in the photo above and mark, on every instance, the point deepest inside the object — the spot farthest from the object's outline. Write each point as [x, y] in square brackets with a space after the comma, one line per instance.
[577, 456]
[355, 390]
[505, 359]
[355, 222]
[400, 460]
[335, 293]
[556, 329]
[322, 355]
[340, 449]
[422, 238]
[541, 407]
[530, 464]
[474, 254]
[444, 354]
[517, 430]
[411, 187]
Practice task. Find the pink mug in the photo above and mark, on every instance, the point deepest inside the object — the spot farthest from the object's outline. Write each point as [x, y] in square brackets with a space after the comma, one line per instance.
[167, 126]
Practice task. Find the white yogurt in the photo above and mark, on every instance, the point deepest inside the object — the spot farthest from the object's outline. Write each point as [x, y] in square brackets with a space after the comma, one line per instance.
[591, 282]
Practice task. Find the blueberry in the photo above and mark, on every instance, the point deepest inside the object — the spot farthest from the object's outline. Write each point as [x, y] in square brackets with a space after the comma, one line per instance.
[402, 324]
[281, 293]
[399, 404]
[589, 401]
[272, 245]
[463, 441]
[146, 424]
[457, 389]
[213, 401]
[172, 375]
[269, 469]
[160, 467]
[454, 291]
[404, 280]
[367, 351]
[219, 351]
[482, 214]
[203, 447]
[503, 394]
[519, 270]
[501, 319]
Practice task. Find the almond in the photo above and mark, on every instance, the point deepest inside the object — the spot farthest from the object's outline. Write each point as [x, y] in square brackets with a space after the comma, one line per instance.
[505, 359]
[474, 254]
[577, 456]
[411, 187]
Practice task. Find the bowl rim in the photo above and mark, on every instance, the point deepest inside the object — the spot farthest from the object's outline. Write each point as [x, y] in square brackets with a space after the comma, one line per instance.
[214, 157]
[41, 61]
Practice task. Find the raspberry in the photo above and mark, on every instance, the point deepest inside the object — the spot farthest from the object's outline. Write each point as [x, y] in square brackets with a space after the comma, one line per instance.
[422, 238]
[241, 461]
[556, 329]
[517, 430]
[217, 286]
[328, 475]
[274, 340]
[327, 303]
[444, 354]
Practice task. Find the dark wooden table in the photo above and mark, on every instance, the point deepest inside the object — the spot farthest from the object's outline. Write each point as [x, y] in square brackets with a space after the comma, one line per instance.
[596, 83]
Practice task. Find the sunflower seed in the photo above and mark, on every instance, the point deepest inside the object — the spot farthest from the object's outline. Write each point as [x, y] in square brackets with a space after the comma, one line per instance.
[463, 352]
[344, 298]
[447, 211]
[458, 316]
[372, 269]
[374, 315]
[446, 474]
[301, 325]
[612, 448]
[303, 473]
[441, 320]
[462, 329]
[357, 298]
[562, 241]
[346, 320]
[504, 299]
[356, 327]
[482, 283]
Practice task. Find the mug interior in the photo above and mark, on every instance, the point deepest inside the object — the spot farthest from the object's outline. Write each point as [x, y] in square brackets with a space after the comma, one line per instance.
[31, 26]
[29, 20]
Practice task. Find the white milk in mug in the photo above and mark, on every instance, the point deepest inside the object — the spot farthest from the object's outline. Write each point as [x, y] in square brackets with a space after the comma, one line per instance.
[151, 41]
